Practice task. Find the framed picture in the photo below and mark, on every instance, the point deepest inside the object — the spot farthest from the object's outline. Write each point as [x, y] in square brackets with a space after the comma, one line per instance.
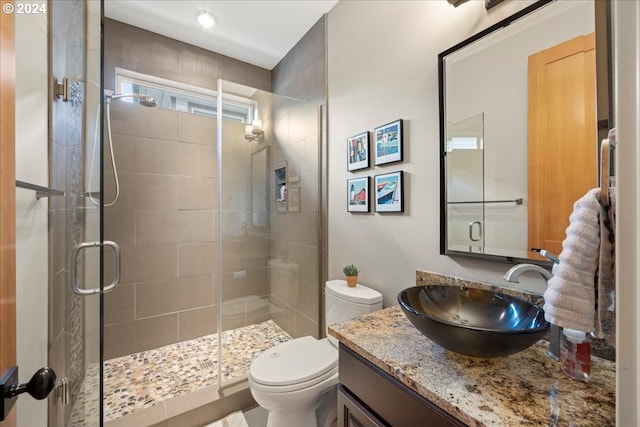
[388, 143]
[293, 198]
[280, 182]
[388, 192]
[358, 194]
[358, 152]
[280, 187]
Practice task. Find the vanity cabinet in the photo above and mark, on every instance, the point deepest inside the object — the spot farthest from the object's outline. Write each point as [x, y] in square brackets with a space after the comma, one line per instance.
[369, 397]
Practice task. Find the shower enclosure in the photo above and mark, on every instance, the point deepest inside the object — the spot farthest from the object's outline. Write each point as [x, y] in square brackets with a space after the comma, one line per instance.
[218, 227]
[216, 265]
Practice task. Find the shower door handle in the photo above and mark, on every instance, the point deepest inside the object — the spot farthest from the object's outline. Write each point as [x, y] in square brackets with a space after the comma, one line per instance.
[75, 251]
[471, 237]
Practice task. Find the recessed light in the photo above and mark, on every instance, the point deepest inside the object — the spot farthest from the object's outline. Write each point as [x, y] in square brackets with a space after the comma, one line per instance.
[206, 19]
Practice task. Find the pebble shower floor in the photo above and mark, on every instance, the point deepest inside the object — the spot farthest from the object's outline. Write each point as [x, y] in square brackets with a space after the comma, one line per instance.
[144, 379]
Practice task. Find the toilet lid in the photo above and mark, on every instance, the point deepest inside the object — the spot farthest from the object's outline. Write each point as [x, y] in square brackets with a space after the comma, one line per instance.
[295, 361]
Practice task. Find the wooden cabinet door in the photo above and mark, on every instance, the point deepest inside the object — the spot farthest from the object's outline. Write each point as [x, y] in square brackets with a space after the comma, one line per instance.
[352, 414]
[562, 137]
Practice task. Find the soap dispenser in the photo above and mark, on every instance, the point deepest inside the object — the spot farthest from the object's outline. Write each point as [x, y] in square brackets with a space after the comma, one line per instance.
[575, 354]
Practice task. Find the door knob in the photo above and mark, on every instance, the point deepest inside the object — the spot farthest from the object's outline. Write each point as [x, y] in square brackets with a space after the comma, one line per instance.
[39, 387]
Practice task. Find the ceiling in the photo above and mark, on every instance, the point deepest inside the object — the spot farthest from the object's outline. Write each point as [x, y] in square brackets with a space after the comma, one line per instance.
[260, 32]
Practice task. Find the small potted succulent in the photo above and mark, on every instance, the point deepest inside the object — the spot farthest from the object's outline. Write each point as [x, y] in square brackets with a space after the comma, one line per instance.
[351, 273]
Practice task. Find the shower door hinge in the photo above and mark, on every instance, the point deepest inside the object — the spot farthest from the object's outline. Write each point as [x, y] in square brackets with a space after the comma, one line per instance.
[63, 390]
[61, 90]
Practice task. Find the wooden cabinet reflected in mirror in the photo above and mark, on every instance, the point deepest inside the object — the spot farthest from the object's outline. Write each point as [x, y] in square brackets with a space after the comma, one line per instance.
[532, 80]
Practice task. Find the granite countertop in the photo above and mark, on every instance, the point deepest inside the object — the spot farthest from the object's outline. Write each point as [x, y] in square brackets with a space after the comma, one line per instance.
[527, 388]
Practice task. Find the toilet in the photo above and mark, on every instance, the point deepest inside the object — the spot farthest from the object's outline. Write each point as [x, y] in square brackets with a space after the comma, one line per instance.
[296, 381]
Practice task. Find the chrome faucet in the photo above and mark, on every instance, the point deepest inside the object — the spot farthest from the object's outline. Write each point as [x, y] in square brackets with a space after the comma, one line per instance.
[514, 272]
[554, 331]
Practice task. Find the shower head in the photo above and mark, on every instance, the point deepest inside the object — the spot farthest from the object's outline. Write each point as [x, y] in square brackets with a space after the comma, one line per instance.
[144, 100]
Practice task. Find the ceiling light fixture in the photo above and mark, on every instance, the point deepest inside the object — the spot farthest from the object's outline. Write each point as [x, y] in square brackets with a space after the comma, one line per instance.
[206, 19]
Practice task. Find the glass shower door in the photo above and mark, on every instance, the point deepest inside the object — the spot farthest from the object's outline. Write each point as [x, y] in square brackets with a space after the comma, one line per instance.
[465, 185]
[78, 254]
[268, 281]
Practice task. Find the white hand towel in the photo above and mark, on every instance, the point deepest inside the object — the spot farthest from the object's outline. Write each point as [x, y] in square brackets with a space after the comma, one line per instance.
[578, 294]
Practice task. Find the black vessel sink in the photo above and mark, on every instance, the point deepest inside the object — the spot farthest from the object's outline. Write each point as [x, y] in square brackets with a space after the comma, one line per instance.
[473, 322]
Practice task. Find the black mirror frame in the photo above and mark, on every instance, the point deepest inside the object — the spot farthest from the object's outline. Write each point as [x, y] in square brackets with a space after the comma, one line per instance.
[443, 164]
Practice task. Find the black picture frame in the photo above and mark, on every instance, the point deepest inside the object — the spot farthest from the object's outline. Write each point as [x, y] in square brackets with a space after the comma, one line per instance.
[358, 195]
[387, 140]
[389, 192]
[358, 152]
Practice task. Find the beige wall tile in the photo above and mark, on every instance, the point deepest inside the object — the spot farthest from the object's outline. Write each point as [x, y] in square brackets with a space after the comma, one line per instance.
[303, 326]
[197, 258]
[168, 296]
[156, 192]
[196, 160]
[130, 118]
[156, 156]
[196, 226]
[234, 255]
[146, 263]
[127, 196]
[197, 129]
[139, 335]
[120, 226]
[197, 193]
[119, 305]
[157, 227]
[124, 152]
[197, 323]
[255, 282]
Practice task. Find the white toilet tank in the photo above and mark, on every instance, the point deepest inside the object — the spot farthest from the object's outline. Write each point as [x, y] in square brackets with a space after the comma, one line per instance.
[343, 303]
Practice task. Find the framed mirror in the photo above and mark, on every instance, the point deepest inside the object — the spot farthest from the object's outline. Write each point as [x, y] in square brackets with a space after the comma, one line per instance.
[519, 131]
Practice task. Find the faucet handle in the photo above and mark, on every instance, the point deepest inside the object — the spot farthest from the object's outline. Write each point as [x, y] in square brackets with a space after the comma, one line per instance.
[545, 253]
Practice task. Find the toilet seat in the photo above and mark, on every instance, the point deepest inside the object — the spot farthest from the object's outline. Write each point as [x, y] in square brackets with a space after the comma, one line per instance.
[294, 365]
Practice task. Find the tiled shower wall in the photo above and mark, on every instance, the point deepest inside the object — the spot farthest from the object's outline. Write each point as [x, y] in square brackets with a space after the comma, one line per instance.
[163, 221]
[302, 75]
[295, 240]
[158, 308]
[138, 50]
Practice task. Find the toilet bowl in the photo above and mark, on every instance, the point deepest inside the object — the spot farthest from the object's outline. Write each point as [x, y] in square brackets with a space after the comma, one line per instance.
[296, 381]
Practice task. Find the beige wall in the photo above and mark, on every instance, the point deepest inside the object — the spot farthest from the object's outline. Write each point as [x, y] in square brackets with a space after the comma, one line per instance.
[626, 20]
[382, 69]
[378, 75]
[31, 214]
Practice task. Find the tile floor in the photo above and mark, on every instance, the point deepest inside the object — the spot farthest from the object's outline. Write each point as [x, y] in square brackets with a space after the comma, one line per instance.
[256, 417]
[142, 380]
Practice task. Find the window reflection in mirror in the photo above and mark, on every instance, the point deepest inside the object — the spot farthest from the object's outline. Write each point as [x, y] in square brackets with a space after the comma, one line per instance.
[490, 73]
